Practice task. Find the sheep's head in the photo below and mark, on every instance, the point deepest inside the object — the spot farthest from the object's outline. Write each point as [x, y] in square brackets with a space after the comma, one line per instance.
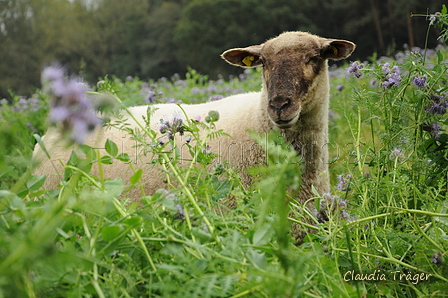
[293, 64]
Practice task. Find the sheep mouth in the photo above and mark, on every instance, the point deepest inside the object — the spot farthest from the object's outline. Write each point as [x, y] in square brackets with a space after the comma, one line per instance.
[284, 124]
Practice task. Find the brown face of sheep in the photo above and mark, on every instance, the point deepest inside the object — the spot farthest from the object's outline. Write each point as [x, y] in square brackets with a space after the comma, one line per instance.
[292, 64]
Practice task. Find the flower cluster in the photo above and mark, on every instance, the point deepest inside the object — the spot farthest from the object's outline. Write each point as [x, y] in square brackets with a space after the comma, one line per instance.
[207, 150]
[434, 18]
[343, 184]
[332, 204]
[420, 82]
[149, 92]
[27, 104]
[173, 127]
[393, 77]
[215, 97]
[439, 105]
[354, 69]
[435, 130]
[397, 154]
[70, 104]
[437, 258]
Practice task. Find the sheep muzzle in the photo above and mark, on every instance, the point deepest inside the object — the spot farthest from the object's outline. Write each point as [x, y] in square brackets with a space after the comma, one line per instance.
[284, 97]
[283, 111]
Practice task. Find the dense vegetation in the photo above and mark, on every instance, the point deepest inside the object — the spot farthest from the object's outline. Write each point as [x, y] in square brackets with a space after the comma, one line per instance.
[154, 38]
[385, 221]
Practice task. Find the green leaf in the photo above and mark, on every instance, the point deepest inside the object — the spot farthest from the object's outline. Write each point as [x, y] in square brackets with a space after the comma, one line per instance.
[88, 151]
[72, 161]
[439, 57]
[106, 159]
[257, 258]
[41, 144]
[136, 177]
[222, 187]
[124, 157]
[114, 187]
[12, 199]
[263, 235]
[111, 147]
[444, 9]
[109, 233]
[133, 221]
[35, 182]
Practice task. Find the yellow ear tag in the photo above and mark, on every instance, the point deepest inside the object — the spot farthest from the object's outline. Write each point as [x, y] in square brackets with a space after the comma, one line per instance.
[335, 50]
[248, 60]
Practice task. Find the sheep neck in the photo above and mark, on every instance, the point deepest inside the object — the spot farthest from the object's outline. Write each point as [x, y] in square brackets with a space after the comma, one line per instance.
[309, 137]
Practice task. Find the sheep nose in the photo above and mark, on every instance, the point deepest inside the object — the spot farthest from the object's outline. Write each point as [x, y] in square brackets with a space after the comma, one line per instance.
[279, 103]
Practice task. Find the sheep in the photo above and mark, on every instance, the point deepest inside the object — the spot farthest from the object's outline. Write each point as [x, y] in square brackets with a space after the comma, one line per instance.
[294, 99]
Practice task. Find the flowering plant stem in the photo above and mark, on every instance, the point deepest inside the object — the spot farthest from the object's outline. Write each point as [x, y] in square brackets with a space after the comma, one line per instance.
[166, 158]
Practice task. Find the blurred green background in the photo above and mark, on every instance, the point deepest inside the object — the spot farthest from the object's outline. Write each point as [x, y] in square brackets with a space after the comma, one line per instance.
[154, 38]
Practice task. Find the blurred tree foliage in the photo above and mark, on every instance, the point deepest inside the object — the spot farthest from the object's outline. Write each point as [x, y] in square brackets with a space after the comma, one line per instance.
[154, 38]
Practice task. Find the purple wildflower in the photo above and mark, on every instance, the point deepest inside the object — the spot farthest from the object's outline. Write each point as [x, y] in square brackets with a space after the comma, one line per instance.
[197, 119]
[436, 109]
[196, 90]
[332, 204]
[397, 154]
[53, 73]
[162, 128]
[58, 114]
[31, 127]
[340, 87]
[175, 77]
[80, 130]
[207, 150]
[435, 130]
[434, 18]
[437, 258]
[385, 68]
[393, 77]
[177, 120]
[70, 104]
[27, 105]
[180, 211]
[343, 185]
[420, 82]
[354, 69]
[204, 227]
[173, 127]
[439, 105]
[150, 97]
[215, 97]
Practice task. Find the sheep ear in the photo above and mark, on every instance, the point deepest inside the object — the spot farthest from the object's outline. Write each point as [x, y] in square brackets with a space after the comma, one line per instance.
[244, 57]
[337, 49]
